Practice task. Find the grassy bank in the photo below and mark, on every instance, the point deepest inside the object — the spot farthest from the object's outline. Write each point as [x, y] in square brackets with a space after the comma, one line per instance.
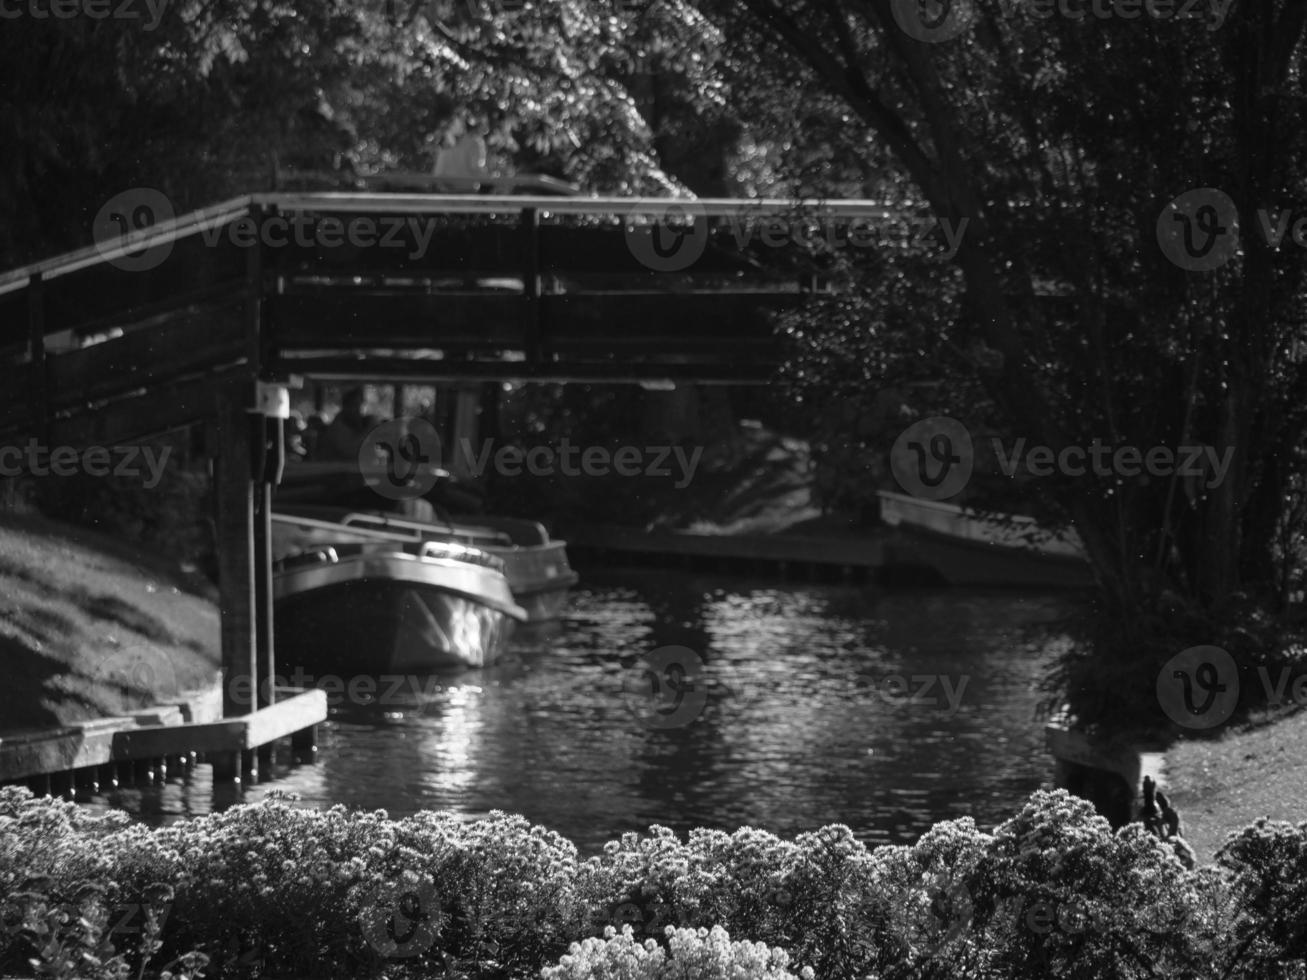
[90, 627]
[1220, 785]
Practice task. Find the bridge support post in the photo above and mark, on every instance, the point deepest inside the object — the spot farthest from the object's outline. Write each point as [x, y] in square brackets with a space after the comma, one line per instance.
[234, 500]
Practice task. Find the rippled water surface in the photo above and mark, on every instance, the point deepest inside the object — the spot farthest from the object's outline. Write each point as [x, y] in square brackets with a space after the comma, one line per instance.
[806, 720]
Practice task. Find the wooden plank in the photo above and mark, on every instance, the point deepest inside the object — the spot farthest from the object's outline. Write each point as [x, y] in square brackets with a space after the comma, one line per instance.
[146, 413]
[609, 206]
[102, 295]
[250, 731]
[605, 250]
[405, 245]
[597, 322]
[58, 750]
[530, 270]
[13, 319]
[854, 551]
[741, 370]
[15, 406]
[37, 369]
[176, 229]
[666, 322]
[192, 342]
[286, 717]
[354, 318]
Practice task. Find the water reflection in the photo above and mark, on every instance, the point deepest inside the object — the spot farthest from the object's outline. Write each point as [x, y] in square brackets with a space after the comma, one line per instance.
[887, 712]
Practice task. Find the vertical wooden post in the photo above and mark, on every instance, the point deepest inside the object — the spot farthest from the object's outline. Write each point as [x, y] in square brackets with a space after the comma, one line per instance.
[38, 392]
[304, 743]
[532, 342]
[270, 457]
[234, 497]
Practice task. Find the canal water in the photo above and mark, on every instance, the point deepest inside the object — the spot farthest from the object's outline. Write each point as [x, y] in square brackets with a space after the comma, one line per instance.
[816, 704]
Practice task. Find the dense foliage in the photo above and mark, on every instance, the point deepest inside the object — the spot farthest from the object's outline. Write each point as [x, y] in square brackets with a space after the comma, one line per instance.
[1058, 140]
[1062, 318]
[274, 890]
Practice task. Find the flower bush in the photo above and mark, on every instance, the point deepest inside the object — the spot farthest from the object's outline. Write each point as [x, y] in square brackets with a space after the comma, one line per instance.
[274, 890]
[695, 955]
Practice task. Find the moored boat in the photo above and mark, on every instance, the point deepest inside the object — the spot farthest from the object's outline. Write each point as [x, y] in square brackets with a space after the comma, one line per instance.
[537, 568]
[967, 547]
[380, 605]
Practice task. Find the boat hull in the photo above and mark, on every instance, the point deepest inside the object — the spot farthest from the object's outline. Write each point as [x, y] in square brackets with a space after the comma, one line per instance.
[390, 613]
[538, 571]
[963, 547]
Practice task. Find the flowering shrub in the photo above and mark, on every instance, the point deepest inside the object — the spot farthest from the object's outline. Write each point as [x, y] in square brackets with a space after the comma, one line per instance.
[695, 955]
[276, 890]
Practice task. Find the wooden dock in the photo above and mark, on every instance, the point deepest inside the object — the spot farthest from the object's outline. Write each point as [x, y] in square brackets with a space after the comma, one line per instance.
[890, 556]
[146, 745]
[1109, 772]
[854, 558]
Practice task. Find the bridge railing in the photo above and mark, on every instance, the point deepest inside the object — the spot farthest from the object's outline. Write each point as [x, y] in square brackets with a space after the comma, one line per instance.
[533, 285]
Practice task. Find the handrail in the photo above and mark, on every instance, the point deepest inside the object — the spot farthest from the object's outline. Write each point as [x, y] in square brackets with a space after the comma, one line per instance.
[398, 203]
[723, 207]
[313, 524]
[419, 527]
[172, 230]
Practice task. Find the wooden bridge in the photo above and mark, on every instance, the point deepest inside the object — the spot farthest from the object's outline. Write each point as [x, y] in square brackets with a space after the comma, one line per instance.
[206, 318]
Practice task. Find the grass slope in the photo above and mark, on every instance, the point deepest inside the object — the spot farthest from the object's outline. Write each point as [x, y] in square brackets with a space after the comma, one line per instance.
[1221, 785]
[90, 627]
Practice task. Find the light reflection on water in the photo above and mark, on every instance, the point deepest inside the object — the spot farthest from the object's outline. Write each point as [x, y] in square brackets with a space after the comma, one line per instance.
[812, 732]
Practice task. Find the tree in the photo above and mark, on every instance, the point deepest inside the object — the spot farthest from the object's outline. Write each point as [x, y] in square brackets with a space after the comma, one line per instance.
[1061, 318]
